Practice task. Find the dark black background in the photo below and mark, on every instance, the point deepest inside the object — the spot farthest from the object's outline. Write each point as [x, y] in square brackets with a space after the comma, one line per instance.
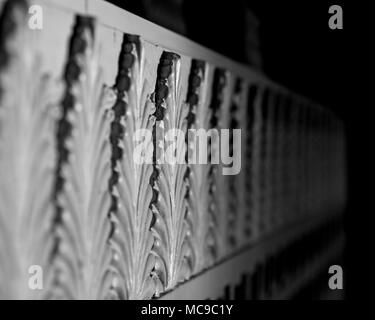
[300, 51]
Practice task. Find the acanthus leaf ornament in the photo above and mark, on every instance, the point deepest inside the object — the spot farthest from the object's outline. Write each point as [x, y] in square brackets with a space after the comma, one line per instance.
[28, 111]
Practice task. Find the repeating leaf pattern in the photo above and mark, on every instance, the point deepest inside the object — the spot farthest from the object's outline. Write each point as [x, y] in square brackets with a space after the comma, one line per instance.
[74, 201]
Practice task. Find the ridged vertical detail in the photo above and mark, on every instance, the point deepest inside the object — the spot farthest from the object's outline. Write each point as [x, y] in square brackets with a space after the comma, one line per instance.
[132, 194]
[277, 141]
[171, 228]
[214, 215]
[250, 166]
[72, 72]
[193, 175]
[234, 187]
[263, 160]
[268, 160]
[287, 156]
[82, 197]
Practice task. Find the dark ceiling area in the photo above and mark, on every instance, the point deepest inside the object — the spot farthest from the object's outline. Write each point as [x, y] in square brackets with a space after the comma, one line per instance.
[297, 49]
[296, 46]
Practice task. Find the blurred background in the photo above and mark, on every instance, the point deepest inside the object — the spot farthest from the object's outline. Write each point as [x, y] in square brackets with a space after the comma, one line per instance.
[291, 43]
